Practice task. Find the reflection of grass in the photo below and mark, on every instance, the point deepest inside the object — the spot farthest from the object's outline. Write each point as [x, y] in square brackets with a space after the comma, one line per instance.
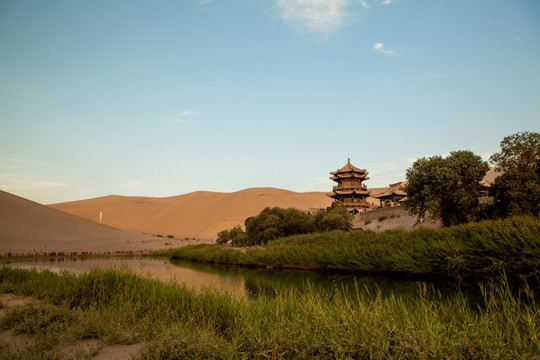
[175, 322]
[476, 250]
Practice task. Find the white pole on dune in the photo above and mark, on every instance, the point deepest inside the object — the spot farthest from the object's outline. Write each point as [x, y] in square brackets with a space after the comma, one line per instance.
[100, 216]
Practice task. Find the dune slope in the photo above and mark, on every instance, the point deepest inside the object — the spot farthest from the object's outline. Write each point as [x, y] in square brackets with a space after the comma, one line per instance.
[199, 214]
[26, 225]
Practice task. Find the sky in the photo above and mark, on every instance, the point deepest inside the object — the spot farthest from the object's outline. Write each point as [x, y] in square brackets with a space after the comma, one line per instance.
[145, 98]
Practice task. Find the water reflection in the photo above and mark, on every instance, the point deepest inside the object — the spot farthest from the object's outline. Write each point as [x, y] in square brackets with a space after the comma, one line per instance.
[255, 282]
[161, 269]
[266, 282]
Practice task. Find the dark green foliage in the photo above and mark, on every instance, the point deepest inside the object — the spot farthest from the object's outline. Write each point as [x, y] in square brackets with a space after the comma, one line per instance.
[273, 223]
[335, 217]
[170, 237]
[518, 151]
[516, 193]
[474, 250]
[447, 188]
[235, 235]
[517, 190]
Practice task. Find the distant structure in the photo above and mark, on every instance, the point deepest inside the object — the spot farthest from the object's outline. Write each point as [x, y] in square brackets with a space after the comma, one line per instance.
[350, 191]
[393, 195]
[487, 182]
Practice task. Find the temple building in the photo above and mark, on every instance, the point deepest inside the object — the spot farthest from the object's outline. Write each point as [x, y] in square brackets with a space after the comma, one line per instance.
[350, 191]
[393, 195]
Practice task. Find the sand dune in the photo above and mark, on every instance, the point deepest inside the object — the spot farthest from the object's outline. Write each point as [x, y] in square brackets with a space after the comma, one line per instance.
[74, 226]
[26, 225]
[199, 214]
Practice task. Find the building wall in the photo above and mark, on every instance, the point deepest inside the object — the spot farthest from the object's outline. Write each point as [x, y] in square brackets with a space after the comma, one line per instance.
[374, 214]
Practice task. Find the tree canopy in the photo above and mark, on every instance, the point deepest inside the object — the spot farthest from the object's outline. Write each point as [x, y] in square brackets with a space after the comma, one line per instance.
[517, 190]
[447, 188]
[275, 222]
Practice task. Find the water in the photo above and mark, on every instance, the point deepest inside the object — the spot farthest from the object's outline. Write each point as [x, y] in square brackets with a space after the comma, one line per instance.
[248, 281]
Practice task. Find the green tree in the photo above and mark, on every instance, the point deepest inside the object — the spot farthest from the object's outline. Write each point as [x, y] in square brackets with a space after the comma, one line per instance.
[275, 222]
[225, 236]
[447, 188]
[335, 217]
[519, 151]
[517, 190]
[423, 177]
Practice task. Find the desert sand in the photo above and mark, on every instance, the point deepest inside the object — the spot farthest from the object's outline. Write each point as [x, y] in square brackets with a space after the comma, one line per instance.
[26, 225]
[200, 214]
[128, 223]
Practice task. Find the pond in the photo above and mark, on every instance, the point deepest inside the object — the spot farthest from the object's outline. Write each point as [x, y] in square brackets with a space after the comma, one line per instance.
[251, 282]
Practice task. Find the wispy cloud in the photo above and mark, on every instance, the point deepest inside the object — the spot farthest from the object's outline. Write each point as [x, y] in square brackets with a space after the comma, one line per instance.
[190, 113]
[379, 47]
[313, 15]
[186, 115]
[364, 4]
[387, 2]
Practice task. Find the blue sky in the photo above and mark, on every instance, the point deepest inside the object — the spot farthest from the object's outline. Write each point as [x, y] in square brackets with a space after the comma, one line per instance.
[165, 98]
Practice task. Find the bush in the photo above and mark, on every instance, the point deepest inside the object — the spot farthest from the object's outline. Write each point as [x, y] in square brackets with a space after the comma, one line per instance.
[225, 236]
[475, 250]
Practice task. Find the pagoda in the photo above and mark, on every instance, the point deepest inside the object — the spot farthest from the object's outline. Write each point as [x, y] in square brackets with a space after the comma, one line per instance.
[350, 191]
[393, 195]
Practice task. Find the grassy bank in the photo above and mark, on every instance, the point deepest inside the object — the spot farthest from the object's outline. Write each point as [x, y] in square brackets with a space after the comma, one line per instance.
[475, 250]
[174, 322]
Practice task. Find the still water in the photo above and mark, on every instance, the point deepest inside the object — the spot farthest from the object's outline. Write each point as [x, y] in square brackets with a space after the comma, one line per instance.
[248, 281]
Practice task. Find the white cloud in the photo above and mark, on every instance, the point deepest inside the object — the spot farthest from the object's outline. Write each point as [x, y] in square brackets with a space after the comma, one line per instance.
[387, 2]
[313, 15]
[364, 4]
[379, 47]
[187, 115]
[190, 113]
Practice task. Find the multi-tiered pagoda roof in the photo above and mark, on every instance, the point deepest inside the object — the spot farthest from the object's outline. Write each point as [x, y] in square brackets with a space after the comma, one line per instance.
[350, 190]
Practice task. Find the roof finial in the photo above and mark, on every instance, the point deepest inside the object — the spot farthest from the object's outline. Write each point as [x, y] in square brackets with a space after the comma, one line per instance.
[348, 160]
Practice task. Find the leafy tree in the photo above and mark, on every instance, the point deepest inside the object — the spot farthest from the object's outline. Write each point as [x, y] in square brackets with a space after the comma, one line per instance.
[227, 235]
[447, 188]
[273, 223]
[423, 177]
[517, 190]
[519, 151]
[335, 217]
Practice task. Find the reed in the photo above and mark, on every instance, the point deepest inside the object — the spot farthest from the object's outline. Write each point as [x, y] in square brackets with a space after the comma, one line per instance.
[173, 321]
[478, 250]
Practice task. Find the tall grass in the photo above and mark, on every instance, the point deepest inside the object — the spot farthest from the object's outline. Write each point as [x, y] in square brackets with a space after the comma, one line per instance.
[478, 250]
[175, 322]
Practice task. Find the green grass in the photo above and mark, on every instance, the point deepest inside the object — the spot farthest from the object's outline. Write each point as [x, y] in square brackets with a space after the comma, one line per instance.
[477, 250]
[174, 322]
